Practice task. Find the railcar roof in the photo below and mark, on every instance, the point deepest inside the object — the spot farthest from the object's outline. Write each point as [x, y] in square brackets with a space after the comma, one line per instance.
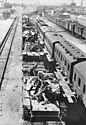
[76, 52]
[67, 20]
[69, 58]
[81, 68]
[58, 18]
[53, 36]
[41, 23]
[46, 28]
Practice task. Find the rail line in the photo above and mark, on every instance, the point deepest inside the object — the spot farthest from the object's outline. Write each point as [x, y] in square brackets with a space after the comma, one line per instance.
[6, 37]
[6, 48]
[33, 109]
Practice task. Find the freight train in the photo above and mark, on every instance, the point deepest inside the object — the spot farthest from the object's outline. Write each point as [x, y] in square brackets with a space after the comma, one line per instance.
[72, 26]
[71, 59]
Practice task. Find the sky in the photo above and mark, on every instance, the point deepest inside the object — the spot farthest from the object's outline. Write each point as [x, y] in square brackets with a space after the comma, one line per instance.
[48, 2]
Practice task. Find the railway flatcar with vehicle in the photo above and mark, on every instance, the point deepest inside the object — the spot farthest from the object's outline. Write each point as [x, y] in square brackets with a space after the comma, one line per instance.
[43, 91]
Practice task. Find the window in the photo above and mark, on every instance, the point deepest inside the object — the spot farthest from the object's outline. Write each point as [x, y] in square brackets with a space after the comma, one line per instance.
[75, 77]
[84, 89]
[79, 82]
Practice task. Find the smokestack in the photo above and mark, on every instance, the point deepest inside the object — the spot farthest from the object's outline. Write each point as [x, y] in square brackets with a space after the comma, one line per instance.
[81, 3]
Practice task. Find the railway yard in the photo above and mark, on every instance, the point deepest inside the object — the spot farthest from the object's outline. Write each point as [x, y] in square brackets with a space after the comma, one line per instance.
[42, 72]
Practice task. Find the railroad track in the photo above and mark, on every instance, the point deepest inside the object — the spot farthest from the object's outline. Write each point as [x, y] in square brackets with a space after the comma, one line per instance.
[6, 48]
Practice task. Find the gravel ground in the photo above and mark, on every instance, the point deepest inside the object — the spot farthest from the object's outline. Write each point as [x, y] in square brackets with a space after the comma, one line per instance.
[11, 91]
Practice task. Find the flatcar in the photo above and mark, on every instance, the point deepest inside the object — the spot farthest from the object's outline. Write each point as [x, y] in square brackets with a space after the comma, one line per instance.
[66, 54]
[70, 25]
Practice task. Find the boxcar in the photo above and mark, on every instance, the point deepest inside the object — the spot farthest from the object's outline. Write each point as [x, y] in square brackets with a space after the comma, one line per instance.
[84, 33]
[65, 22]
[71, 26]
